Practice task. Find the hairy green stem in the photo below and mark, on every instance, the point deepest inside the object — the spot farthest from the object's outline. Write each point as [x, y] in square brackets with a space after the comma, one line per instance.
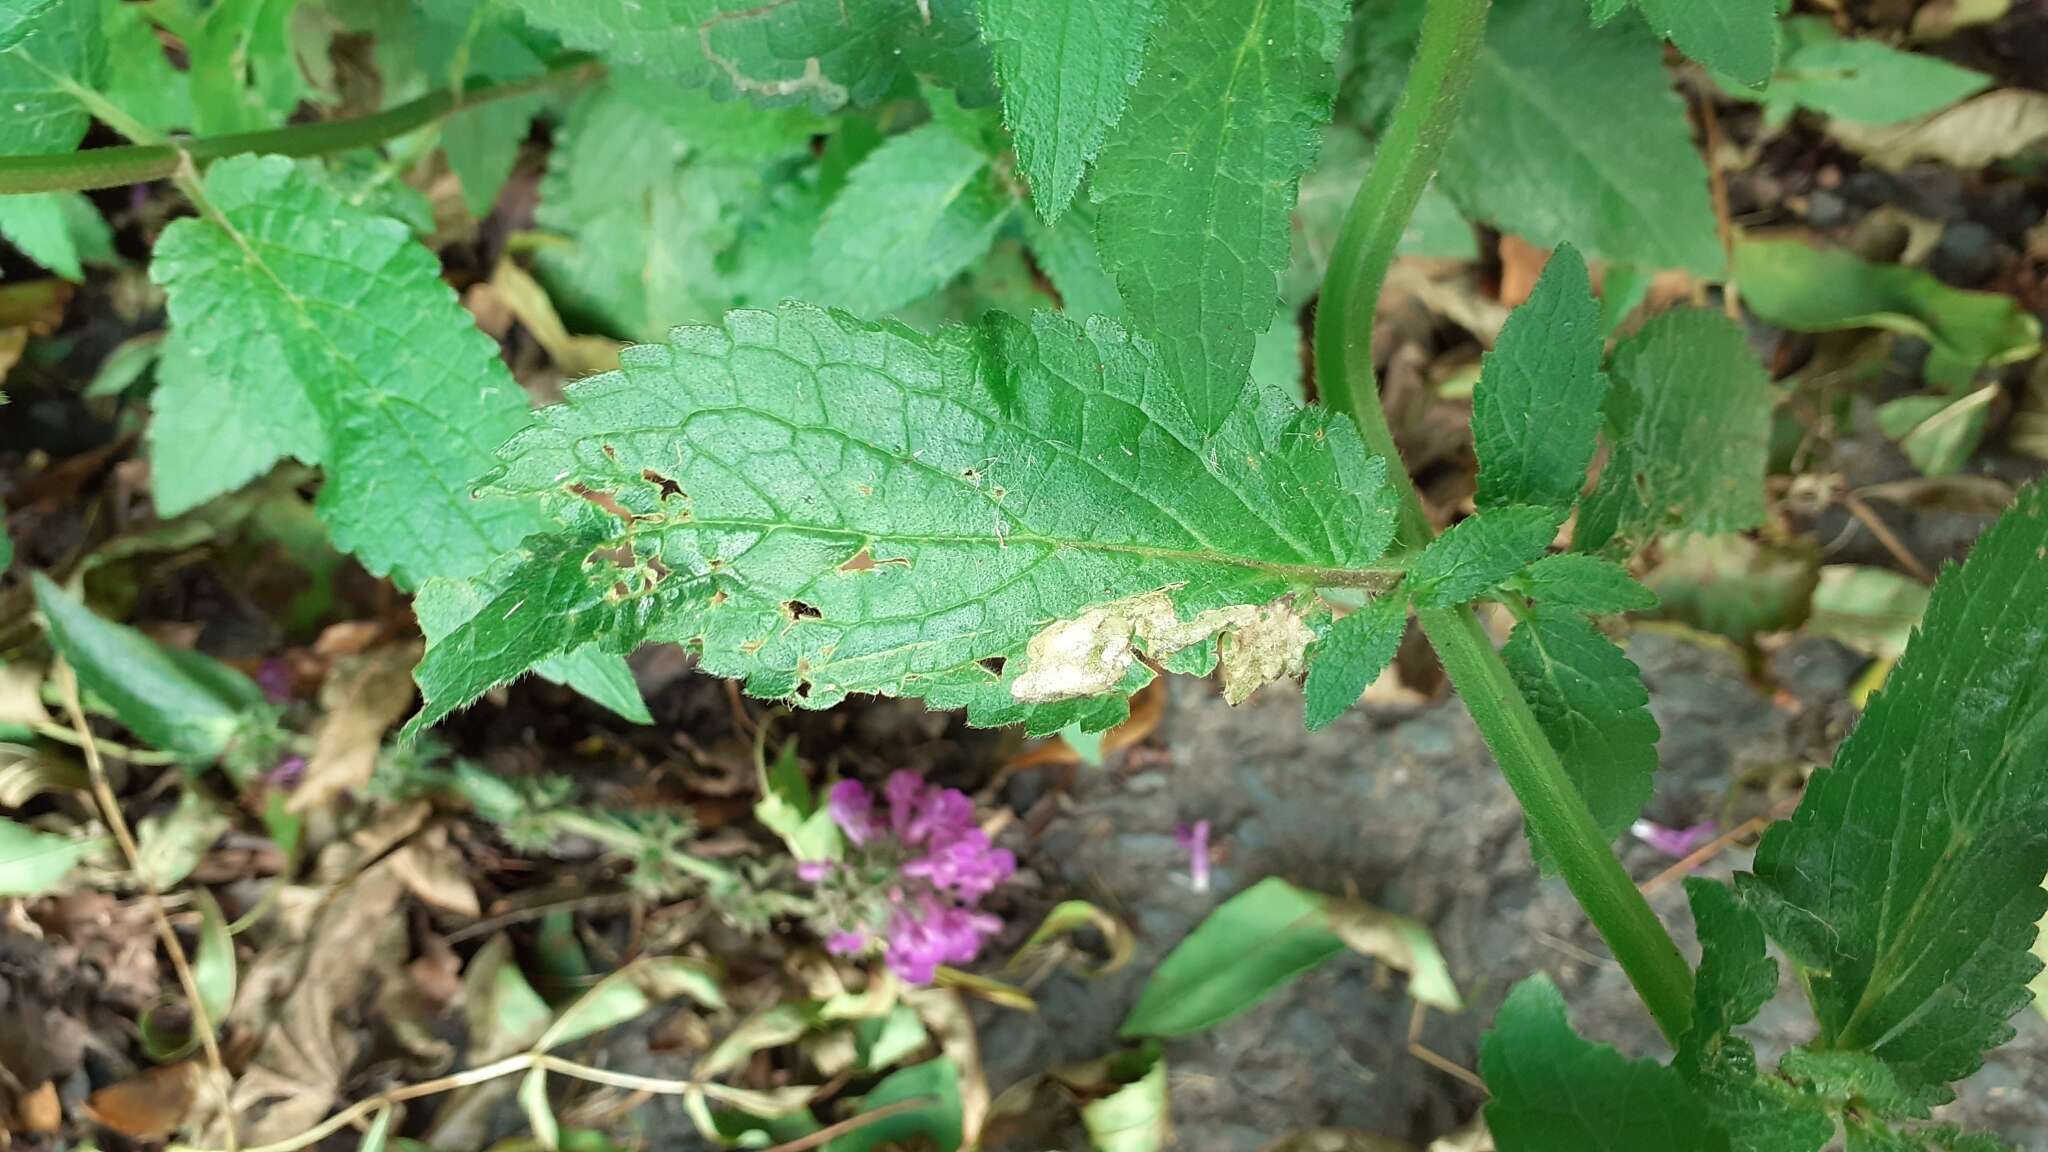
[134, 164]
[1407, 155]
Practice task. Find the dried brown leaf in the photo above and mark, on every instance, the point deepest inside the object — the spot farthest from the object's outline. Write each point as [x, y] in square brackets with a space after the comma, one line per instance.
[431, 869]
[150, 1106]
[363, 697]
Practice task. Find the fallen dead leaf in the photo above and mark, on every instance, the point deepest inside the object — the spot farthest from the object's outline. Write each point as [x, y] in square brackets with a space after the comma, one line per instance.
[945, 1014]
[21, 697]
[1969, 136]
[150, 1106]
[518, 291]
[432, 869]
[363, 697]
[40, 1111]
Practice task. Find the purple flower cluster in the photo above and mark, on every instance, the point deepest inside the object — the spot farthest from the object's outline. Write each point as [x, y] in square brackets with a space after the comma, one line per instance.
[913, 876]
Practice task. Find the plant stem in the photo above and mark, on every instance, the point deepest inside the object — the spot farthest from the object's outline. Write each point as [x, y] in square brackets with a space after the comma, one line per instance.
[1452, 31]
[134, 164]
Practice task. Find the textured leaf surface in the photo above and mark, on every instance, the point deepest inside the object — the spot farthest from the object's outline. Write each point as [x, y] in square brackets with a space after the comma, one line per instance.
[1536, 409]
[1691, 418]
[1860, 79]
[1907, 885]
[1590, 699]
[1575, 135]
[1479, 552]
[1735, 37]
[41, 46]
[244, 70]
[182, 703]
[1583, 583]
[441, 605]
[914, 214]
[1354, 653]
[1808, 289]
[290, 292]
[824, 506]
[1197, 183]
[824, 52]
[1555, 1092]
[1067, 253]
[1066, 68]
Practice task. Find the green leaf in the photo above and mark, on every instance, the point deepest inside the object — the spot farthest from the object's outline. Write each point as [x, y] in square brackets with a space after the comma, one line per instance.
[935, 1125]
[914, 214]
[1231, 105]
[788, 809]
[1584, 584]
[409, 395]
[47, 228]
[1068, 254]
[602, 677]
[1693, 408]
[1554, 1092]
[1256, 942]
[173, 702]
[213, 973]
[1477, 554]
[45, 48]
[34, 863]
[170, 845]
[1736, 977]
[1570, 135]
[1859, 78]
[1536, 409]
[1807, 289]
[1733, 585]
[826, 52]
[629, 992]
[1134, 1117]
[6, 542]
[244, 73]
[1589, 698]
[139, 78]
[1344, 663]
[1736, 37]
[213, 432]
[1873, 610]
[1939, 433]
[1907, 885]
[824, 506]
[1066, 68]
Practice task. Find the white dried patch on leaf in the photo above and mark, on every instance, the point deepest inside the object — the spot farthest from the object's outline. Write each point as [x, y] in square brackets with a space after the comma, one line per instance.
[1090, 654]
[1268, 648]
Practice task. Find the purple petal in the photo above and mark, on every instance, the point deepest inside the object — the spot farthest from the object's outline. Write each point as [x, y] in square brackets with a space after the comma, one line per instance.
[853, 808]
[846, 943]
[812, 871]
[1194, 840]
[1677, 842]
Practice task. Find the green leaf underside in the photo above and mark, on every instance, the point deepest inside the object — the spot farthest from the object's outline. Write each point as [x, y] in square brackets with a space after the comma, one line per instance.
[441, 605]
[1555, 1092]
[1481, 551]
[1354, 653]
[1589, 698]
[1808, 289]
[1196, 185]
[1907, 886]
[211, 433]
[1695, 412]
[1864, 80]
[914, 213]
[1736, 37]
[44, 48]
[825, 52]
[308, 303]
[33, 863]
[1066, 68]
[823, 506]
[1736, 977]
[1575, 135]
[180, 702]
[1583, 583]
[1255, 942]
[1536, 409]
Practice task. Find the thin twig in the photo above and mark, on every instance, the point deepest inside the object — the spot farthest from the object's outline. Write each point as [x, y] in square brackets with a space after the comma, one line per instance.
[1435, 1059]
[110, 811]
[1892, 544]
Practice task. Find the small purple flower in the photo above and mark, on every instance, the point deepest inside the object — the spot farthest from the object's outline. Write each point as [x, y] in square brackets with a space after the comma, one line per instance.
[1677, 842]
[286, 773]
[853, 809]
[274, 677]
[911, 885]
[1194, 840]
